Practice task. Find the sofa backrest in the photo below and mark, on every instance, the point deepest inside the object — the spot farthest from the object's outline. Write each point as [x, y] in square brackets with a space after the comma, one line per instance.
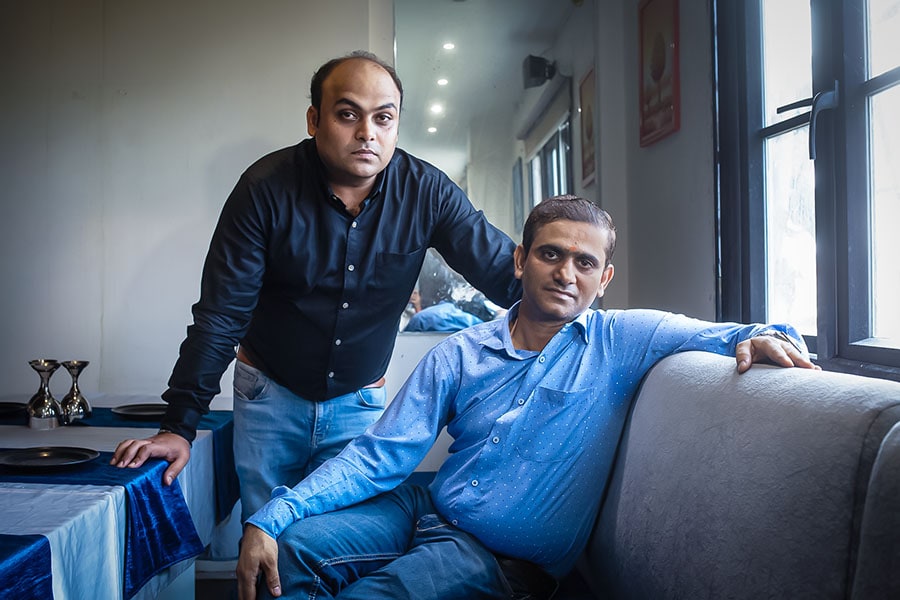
[778, 483]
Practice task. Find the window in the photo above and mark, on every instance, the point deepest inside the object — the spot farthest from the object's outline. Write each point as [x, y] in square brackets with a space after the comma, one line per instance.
[550, 169]
[812, 241]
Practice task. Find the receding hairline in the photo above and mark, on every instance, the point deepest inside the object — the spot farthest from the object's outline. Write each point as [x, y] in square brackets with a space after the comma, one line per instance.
[360, 59]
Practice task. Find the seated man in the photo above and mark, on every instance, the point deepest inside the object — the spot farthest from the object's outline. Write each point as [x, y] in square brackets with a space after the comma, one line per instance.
[535, 403]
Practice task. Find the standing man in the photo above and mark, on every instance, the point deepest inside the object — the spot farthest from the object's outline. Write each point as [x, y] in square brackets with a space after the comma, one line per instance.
[535, 403]
[312, 262]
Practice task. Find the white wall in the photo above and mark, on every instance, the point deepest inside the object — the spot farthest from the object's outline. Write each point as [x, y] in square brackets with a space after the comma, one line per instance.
[612, 134]
[670, 184]
[489, 170]
[124, 126]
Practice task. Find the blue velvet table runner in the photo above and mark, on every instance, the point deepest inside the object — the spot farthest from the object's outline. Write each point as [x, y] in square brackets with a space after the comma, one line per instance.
[23, 567]
[220, 422]
[159, 531]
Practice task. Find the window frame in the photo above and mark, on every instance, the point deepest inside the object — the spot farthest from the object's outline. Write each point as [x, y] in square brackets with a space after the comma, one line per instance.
[558, 142]
[842, 213]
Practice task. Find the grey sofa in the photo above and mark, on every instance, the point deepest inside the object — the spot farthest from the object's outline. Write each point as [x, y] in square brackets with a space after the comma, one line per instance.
[779, 483]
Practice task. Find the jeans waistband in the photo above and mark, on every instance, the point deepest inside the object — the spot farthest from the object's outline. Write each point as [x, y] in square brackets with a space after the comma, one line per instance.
[242, 356]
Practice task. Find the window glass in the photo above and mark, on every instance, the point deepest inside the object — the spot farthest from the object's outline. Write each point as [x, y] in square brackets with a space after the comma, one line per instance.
[790, 232]
[884, 25]
[787, 55]
[537, 185]
[549, 168]
[885, 214]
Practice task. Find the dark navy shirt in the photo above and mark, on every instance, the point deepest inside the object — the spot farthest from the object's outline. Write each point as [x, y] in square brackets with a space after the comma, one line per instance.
[313, 294]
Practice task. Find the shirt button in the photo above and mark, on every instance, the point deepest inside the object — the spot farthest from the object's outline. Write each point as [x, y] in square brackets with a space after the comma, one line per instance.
[521, 401]
[331, 374]
[351, 268]
[353, 225]
[474, 483]
[541, 358]
[455, 522]
[495, 439]
[337, 342]
[345, 305]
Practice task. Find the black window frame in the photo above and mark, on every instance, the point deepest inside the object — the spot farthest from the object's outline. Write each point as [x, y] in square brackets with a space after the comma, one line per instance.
[841, 216]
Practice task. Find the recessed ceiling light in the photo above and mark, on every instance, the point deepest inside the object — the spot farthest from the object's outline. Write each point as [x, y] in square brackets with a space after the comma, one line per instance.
[437, 108]
[442, 81]
[432, 130]
[449, 46]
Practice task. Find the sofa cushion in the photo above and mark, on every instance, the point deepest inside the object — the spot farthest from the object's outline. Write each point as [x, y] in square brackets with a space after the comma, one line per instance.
[748, 486]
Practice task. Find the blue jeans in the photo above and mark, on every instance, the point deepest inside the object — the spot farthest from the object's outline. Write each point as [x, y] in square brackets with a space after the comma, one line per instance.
[279, 437]
[393, 546]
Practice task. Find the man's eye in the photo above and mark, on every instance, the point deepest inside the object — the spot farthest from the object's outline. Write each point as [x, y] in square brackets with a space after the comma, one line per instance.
[384, 118]
[586, 264]
[346, 114]
[551, 254]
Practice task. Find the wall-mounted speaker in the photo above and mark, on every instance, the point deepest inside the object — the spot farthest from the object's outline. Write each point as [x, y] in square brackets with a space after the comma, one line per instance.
[536, 70]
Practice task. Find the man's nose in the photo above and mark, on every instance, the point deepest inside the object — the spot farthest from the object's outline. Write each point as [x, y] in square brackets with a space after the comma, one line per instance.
[366, 130]
[566, 271]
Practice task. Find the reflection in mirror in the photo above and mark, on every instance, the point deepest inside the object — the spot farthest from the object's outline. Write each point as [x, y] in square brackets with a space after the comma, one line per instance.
[444, 301]
[462, 65]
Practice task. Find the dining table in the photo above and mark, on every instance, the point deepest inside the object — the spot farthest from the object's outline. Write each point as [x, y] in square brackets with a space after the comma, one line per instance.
[73, 526]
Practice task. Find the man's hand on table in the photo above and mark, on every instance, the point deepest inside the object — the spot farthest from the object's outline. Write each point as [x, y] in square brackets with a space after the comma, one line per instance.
[170, 446]
[770, 349]
[259, 554]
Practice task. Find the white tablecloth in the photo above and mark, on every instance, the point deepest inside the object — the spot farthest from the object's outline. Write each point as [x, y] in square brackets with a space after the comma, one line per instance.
[90, 526]
[85, 526]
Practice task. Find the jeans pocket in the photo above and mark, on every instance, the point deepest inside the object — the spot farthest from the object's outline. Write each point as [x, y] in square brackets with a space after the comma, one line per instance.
[249, 382]
[372, 398]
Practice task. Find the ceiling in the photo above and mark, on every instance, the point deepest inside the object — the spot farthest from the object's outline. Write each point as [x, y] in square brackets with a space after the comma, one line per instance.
[484, 70]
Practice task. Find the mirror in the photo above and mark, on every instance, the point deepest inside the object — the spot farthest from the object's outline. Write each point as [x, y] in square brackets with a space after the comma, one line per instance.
[461, 63]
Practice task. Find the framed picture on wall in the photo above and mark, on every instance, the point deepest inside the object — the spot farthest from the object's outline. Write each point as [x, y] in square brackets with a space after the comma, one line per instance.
[659, 77]
[588, 140]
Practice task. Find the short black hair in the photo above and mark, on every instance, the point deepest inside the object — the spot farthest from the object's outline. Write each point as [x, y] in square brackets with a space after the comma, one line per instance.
[322, 73]
[569, 208]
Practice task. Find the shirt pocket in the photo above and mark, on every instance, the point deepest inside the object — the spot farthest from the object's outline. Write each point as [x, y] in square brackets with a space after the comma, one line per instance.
[397, 270]
[552, 425]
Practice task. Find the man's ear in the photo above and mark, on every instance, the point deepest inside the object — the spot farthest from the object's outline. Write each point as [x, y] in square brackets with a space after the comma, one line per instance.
[607, 276]
[312, 121]
[519, 260]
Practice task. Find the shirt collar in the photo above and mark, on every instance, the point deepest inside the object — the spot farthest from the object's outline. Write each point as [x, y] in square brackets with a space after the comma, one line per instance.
[502, 340]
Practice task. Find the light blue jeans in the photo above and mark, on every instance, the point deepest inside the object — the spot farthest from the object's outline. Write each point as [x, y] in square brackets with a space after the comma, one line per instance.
[392, 547]
[279, 437]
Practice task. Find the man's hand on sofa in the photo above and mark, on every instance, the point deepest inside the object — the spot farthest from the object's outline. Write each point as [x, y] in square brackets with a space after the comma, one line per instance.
[770, 349]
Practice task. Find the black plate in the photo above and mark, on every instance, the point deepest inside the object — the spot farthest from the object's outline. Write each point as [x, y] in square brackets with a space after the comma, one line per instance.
[43, 457]
[141, 412]
[11, 409]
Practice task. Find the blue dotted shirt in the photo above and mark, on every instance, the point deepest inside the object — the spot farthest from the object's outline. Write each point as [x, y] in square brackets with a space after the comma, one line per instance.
[535, 433]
